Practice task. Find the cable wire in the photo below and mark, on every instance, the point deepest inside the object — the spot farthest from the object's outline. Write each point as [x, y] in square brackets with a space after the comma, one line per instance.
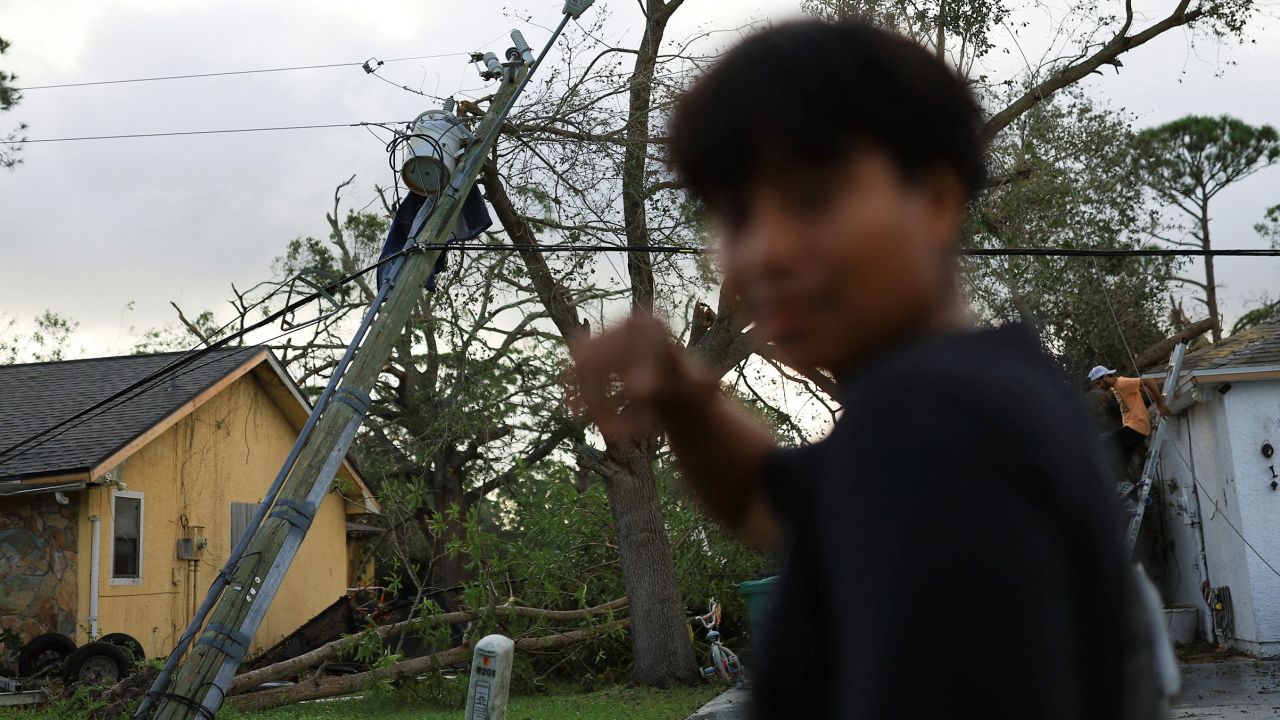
[1097, 274]
[195, 354]
[362, 123]
[970, 252]
[231, 72]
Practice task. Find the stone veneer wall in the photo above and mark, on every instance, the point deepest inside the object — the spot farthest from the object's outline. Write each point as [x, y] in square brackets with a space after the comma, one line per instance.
[38, 565]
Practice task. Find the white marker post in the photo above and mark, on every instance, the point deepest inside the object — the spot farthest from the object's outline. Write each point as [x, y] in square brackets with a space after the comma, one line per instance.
[490, 678]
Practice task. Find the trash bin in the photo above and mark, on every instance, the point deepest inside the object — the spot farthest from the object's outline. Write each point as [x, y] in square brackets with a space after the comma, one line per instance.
[759, 595]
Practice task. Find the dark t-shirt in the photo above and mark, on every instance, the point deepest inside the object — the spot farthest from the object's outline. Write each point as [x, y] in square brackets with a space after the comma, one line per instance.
[956, 551]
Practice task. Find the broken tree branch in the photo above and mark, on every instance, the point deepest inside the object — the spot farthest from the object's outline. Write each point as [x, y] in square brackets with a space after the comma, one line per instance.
[1072, 73]
[295, 665]
[404, 670]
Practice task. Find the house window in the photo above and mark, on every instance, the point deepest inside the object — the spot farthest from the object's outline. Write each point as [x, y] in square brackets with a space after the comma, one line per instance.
[126, 538]
[241, 514]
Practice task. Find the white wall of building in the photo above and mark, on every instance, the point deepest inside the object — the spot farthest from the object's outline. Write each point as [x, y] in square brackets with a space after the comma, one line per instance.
[1217, 441]
[1253, 418]
[1186, 570]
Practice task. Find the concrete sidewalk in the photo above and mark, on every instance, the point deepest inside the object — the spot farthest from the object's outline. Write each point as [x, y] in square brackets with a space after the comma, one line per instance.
[1236, 689]
[731, 704]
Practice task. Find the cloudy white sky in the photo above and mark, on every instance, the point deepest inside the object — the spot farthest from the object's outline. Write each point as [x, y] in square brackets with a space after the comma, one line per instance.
[87, 228]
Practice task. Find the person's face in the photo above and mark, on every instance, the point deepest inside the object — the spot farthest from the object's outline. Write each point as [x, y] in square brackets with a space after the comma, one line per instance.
[834, 269]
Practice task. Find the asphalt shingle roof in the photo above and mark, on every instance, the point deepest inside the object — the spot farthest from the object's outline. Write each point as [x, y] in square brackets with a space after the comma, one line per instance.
[35, 397]
[1255, 347]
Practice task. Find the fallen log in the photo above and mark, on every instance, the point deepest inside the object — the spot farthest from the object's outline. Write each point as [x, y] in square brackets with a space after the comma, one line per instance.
[295, 665]
[1159, 352]
[405, 669]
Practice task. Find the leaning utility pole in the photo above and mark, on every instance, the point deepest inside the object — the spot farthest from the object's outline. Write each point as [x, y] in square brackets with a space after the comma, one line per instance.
[244, 589]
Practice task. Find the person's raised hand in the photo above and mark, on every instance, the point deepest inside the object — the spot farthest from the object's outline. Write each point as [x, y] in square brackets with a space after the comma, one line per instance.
[626, 377]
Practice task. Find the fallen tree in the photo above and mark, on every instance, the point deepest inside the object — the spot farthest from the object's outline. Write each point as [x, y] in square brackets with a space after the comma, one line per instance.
[317, 688]
[305, 661]
[1159, 352]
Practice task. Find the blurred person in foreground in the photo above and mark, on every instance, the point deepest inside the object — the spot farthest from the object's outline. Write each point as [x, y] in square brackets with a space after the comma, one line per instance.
[952, 547]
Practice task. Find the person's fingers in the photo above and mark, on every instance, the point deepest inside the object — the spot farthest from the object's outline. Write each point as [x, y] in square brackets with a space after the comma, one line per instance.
[618, 374]
[596, 364]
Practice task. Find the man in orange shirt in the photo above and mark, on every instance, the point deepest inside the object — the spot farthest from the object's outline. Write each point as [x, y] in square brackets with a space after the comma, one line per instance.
[1135, 421]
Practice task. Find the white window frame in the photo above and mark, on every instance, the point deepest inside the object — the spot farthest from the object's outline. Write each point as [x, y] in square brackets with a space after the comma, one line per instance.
[142, 524]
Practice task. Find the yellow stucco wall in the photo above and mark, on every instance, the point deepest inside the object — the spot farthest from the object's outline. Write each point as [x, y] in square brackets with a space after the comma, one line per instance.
[228, 450]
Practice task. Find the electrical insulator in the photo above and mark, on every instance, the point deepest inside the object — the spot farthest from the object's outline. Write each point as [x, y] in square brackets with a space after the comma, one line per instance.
[521, 47]
[495, 67]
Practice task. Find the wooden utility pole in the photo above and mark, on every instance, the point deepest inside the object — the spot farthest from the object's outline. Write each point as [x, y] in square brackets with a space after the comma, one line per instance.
[200, 684]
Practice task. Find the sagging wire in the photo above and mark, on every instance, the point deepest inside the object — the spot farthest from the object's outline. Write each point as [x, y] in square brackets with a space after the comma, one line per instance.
[234, 72]
[1097, 274]
[181, 133]
[371, 67]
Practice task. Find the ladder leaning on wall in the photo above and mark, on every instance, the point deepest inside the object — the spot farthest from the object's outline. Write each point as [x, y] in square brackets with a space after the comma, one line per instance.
[1153, 451]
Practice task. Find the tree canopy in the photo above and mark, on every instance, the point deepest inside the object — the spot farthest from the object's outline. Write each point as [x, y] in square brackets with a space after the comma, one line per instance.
[9, 97]
[1186, 163]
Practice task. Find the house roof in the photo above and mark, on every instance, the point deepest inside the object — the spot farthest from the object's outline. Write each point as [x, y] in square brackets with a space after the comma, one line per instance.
[1257, 347]
[35, 398]
[38, 396]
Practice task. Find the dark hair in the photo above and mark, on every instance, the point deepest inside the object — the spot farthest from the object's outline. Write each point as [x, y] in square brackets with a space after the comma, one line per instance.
[803, 96]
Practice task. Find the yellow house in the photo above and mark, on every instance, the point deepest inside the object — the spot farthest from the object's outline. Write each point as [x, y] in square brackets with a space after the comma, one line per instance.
[112, 526]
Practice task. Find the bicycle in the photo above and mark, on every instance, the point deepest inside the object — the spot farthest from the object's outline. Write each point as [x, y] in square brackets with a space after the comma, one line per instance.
[724, 662]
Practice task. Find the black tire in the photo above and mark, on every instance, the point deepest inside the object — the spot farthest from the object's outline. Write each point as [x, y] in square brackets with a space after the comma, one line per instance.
[44, 653]
[98, 663]
[131, 647]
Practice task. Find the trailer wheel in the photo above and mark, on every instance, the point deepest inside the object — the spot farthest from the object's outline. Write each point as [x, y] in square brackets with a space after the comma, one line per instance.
[131, 647]
[44, 653]
[98, 663]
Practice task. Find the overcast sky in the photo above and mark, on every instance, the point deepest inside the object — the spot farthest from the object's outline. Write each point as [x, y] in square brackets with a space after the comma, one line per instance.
[86, 228]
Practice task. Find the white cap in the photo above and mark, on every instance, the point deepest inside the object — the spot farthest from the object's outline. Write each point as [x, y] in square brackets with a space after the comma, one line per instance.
[1098, 372]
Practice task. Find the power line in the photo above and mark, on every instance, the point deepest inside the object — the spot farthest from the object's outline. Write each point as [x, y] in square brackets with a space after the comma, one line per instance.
[233, 72]
[129, 136]
[175, 369]
[1119, 252]
[971, 252]
[194, 354]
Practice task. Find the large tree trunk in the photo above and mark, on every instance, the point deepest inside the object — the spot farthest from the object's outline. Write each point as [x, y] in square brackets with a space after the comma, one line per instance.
[1158, 353]
[660, 637]
[1210, 283]
[450, 570]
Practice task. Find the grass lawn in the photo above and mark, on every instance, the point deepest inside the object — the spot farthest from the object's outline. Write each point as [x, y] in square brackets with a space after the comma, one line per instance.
[613, 704]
